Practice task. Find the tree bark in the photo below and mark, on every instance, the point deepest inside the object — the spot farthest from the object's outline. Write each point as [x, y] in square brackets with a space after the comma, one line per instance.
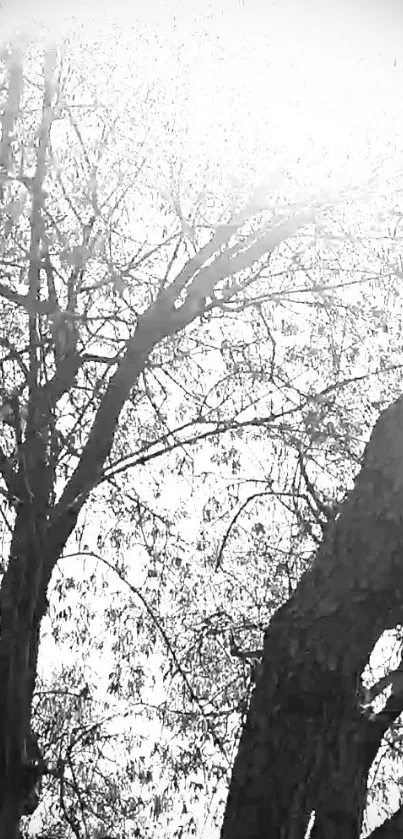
[306, 745]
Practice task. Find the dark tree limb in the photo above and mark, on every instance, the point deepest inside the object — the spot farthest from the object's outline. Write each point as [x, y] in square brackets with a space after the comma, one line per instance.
[306, 744]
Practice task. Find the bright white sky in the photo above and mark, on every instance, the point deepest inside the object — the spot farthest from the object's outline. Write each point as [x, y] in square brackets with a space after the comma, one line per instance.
[312, 88]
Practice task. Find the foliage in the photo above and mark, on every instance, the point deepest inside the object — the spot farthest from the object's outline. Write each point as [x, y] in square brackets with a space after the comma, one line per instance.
[237, 441]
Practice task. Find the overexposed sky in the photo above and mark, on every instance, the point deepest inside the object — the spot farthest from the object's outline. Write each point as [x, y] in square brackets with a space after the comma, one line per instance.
[315, 84]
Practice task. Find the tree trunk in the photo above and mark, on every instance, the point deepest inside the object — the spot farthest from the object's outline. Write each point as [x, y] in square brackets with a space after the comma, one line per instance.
[23, 604]
[306, 745]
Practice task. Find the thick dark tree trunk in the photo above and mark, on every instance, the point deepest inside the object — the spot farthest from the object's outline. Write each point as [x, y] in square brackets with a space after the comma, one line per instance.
[23, 604]
[306, 745]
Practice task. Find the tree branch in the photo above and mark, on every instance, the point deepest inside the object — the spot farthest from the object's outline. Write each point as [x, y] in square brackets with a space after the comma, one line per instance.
[241, 258]
[161, 320]
[10, 112]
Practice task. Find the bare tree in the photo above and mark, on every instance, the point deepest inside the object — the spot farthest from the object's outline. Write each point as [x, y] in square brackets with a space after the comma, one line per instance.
[73, 352]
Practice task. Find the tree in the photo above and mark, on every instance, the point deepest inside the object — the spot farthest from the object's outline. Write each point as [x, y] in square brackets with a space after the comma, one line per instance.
[75, 349]
[143, 313]
[306, 745]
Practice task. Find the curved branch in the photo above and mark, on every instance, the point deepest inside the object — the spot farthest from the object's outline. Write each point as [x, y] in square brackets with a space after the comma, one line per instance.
[232, 523]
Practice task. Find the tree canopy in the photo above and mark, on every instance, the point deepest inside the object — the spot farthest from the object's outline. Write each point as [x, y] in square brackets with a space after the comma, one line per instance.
[199, 328]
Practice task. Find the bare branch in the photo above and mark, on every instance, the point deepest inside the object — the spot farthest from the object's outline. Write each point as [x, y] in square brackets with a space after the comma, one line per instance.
[244, 655]
[233, 522]
[11, 111]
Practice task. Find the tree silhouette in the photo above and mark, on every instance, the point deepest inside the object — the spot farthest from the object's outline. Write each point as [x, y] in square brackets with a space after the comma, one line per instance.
[73, 351]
